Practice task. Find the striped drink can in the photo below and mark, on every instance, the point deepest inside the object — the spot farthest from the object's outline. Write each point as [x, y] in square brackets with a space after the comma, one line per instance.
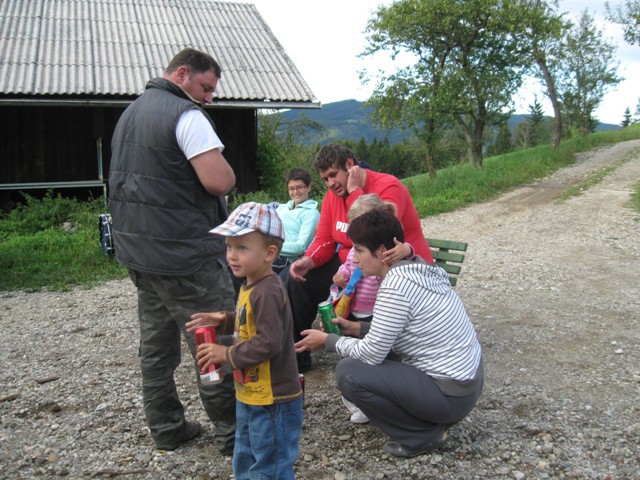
[214, 373]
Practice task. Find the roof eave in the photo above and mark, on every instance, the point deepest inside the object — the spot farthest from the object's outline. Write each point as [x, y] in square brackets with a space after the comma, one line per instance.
[112, 102]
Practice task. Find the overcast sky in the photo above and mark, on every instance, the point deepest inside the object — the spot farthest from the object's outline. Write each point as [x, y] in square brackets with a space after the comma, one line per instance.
[324, 38]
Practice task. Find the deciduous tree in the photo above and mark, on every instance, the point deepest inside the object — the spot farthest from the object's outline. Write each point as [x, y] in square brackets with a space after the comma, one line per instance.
[589, 69]
[545, 30]
[469, 61]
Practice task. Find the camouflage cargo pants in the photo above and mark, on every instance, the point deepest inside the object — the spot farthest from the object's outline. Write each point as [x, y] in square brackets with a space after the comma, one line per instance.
[165, 304]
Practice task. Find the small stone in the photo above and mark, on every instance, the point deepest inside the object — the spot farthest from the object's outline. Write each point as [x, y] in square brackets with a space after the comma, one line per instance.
[143, 457]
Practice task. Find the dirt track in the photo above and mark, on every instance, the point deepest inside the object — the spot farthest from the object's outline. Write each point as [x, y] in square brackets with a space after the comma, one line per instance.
[553, 288]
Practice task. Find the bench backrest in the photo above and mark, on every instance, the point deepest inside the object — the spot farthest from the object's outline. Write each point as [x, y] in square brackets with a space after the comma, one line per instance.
[447, 255]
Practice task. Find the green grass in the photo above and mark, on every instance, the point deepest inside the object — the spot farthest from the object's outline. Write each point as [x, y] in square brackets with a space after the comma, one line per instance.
[635, 199]
[36, 252]
[462, 185]
[595, 178]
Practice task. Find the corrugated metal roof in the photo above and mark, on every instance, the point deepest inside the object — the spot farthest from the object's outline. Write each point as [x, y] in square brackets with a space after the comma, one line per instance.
[111, 48]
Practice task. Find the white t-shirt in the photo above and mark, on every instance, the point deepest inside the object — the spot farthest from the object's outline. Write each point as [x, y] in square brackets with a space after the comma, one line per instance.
[195, 134]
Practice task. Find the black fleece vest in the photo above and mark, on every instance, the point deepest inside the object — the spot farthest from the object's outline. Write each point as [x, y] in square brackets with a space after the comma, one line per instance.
[161, 212]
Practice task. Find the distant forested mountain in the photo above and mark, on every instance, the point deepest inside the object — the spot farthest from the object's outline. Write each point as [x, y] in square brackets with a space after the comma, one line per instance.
[344, 120]
[350, 120]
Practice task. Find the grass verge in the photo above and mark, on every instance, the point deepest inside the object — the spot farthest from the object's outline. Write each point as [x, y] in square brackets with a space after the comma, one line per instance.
[462, 185]
[635, 199]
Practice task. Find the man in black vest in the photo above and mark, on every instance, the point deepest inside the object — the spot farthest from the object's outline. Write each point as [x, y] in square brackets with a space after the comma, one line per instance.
[167, 183]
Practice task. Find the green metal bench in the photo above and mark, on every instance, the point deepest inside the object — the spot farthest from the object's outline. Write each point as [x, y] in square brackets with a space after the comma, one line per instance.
[447, 255]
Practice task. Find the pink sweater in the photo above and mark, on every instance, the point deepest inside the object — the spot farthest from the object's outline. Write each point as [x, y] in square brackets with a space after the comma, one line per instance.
[364, 296]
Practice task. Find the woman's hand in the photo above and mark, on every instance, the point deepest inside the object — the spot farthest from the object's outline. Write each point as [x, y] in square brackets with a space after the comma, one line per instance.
[347, 327]
[397, 253]
[313, 340]
[204, 319]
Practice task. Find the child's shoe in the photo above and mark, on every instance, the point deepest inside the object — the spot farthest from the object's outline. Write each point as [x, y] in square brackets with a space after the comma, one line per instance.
[357, 416]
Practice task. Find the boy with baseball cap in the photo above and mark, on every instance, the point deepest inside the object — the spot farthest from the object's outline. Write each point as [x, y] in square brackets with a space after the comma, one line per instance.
[268, 392]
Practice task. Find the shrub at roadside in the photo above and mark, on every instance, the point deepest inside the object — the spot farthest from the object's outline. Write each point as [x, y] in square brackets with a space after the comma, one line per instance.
[54, 243]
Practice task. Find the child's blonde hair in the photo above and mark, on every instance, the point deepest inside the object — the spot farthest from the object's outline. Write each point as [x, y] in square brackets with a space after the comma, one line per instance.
[367, 202]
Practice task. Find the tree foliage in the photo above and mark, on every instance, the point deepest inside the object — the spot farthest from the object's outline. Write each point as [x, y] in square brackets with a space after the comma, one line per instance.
[626, 119]
[589, 69]
[469, 61]
[278, 153]
[628, 15]
[502, 142]
[545, 30]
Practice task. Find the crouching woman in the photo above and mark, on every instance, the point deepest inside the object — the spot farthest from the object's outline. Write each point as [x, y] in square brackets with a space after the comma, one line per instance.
[419, 368]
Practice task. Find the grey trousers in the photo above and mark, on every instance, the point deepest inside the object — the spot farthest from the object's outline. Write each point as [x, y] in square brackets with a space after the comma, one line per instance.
[402, 401]
[165, 304]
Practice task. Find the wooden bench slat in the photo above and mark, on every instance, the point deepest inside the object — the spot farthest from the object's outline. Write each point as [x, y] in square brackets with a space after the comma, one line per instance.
[447, 244]
[446, 254]
[454, 269]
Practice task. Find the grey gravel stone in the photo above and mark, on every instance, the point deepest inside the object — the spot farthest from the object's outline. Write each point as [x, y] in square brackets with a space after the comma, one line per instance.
[551, 286]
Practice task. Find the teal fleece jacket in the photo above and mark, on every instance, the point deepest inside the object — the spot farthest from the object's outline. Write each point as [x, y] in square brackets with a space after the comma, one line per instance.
[299, 226]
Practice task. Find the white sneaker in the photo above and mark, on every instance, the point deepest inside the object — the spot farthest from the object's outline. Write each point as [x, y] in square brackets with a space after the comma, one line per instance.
[356, 414]
[359, 417]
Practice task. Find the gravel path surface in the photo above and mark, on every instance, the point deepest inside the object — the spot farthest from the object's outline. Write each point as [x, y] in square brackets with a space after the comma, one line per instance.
[552, 286]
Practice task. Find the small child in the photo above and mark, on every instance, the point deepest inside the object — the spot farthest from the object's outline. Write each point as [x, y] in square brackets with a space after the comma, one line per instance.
[364, 296]
[268, 391]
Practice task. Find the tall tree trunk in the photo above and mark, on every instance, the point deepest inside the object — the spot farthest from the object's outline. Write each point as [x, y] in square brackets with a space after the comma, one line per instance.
[473, 134]
[432, 140]
[553, 96]
[431, 168]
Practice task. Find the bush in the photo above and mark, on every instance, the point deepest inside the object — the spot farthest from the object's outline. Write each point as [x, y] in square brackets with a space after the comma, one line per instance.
[54, 243]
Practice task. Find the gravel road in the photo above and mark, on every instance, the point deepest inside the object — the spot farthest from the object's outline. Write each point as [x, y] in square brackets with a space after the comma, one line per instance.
[551, 285]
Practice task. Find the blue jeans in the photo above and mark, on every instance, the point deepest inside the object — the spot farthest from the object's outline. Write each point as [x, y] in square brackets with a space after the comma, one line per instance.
[267, 440]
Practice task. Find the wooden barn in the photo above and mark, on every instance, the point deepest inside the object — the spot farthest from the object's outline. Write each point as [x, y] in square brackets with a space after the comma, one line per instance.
[69, 68]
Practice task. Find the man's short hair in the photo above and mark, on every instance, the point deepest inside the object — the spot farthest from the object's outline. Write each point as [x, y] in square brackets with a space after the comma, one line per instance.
[299, 174]
[195, 60]
[333, 156]
[375, 228]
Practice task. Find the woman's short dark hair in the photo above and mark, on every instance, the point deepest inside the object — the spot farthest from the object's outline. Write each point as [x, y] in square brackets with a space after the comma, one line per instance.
[195, 60]
[375, 228]
[333, 156]
[299, 174]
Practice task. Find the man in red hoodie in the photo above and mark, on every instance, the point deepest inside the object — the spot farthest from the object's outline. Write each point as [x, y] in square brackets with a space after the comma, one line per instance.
[311, 276]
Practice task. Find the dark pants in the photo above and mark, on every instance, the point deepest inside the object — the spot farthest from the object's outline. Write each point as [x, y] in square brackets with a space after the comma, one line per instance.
[165, 304]
[402, 401]
[305, 296]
